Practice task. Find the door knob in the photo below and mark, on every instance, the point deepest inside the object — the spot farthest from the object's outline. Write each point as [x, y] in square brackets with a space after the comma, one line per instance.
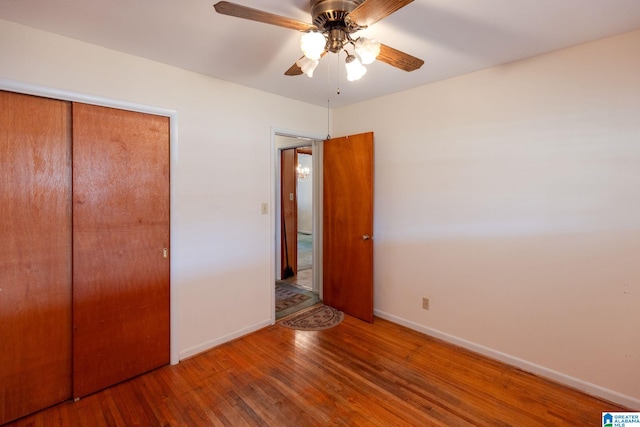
[366, 237]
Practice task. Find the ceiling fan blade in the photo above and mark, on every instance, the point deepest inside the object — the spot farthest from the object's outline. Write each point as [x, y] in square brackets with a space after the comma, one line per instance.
[294, 70]
[371, 11]
[244, 12]
[399, 59]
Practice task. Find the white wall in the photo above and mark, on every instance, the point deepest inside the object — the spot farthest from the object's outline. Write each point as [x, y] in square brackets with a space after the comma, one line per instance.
[511, 198]
[220, 258]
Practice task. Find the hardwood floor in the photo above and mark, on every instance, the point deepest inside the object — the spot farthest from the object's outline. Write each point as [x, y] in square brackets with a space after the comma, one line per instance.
[379, 374]
[304, 278]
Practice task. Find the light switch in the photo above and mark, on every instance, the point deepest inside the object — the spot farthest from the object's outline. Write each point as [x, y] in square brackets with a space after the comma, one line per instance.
[265, 208]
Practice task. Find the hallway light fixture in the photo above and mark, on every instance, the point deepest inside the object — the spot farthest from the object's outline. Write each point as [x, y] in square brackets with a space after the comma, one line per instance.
[302, 172]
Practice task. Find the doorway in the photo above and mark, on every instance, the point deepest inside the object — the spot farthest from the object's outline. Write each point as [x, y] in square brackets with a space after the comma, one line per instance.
[342, 219]
[297, 229]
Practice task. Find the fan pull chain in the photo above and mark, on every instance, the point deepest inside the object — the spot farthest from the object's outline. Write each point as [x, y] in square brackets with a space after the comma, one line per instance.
[328, 123]
[338, 75]
[328, 102]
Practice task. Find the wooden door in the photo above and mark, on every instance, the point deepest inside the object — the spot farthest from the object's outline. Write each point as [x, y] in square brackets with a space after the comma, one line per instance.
[289, 213]
[348, 225]
[35, 254]
[121, 230]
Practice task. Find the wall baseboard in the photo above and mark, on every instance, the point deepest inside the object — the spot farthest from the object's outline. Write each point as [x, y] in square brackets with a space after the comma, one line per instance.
[208, 345]
[541, 371]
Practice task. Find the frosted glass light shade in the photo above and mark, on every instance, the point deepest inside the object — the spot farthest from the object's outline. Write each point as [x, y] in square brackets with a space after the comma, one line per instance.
[307, 65]
[312, 44]
[367, 49]
[355, 69]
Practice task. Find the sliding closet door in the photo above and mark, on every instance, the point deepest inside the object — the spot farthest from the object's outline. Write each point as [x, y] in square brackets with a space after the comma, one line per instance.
[35, 254]
[120, 245]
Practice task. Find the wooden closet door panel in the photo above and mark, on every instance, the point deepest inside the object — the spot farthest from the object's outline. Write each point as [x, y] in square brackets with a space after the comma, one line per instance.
[35, 254]
[121, 227]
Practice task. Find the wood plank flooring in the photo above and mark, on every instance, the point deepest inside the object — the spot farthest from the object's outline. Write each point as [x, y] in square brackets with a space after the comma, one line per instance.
[356, 374]
[304, 278]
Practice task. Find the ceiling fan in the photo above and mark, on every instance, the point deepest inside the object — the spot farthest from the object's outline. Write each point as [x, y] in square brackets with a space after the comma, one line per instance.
[334, 24]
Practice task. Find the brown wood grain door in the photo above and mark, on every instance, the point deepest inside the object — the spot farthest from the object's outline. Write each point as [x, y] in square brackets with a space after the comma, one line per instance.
[35, 254]
[289, 209]
[348, 225]
[121, 230]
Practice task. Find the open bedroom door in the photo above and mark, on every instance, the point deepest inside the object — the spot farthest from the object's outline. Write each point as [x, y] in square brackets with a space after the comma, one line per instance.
[348, 225]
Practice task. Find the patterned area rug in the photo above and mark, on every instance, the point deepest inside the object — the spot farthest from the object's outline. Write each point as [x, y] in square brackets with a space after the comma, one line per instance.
[315, 318]
[286, 297]
[291, 299]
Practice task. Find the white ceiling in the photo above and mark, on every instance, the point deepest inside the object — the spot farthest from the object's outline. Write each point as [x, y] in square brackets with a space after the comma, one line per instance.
[454, 37]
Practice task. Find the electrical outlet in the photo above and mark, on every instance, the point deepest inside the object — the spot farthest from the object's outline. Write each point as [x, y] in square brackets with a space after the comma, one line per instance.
[425, 303]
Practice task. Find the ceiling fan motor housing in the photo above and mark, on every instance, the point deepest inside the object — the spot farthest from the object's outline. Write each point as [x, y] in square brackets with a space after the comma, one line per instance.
[328, 13]
[330, 16]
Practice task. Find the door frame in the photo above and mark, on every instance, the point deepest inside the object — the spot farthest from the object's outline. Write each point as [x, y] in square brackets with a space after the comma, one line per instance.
[64, 95]
[295, 139]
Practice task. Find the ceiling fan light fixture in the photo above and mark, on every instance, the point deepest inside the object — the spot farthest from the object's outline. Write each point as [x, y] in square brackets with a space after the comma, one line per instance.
[334, 22]
[367, 49]
[312, 45]
[307, 65]
[355, 69]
